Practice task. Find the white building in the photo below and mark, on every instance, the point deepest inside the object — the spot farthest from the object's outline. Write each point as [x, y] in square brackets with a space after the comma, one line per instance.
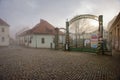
[4, 33]
[40, 36]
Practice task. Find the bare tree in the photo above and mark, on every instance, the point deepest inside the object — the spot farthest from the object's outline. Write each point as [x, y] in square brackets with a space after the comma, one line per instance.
[81, 27]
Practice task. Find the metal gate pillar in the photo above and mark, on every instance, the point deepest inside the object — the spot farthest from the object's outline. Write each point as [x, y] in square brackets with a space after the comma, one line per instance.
[100, 35]
[67, 45]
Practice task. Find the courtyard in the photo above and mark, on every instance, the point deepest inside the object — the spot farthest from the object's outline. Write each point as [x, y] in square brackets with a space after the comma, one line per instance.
[20, 63]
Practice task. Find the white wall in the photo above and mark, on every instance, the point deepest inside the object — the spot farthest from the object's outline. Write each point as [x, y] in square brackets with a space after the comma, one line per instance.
[36, 41]
[62, 39]
[27, 40]
[4, 34]
[21, 40]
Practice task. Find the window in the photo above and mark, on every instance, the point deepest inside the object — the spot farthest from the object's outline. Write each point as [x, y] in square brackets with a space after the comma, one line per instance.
[30, 41]
[3, 29]
[43, 40]
[3, 39]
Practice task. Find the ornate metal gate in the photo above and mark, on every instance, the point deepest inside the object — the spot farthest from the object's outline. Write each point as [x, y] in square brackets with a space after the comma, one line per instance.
[69, 44]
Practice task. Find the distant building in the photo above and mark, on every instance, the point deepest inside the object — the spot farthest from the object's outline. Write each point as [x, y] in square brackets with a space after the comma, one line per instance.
[4, 33]
[114, 33]
[20, 33]
[41, 35]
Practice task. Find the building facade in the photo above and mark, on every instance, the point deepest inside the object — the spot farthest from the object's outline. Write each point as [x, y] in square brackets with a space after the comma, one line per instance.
[114, 34]
[41, 35]
[4, 33]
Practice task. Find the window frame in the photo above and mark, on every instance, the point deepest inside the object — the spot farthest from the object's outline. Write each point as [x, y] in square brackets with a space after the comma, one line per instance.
[3, 39]
[42, 40]
[3, 29]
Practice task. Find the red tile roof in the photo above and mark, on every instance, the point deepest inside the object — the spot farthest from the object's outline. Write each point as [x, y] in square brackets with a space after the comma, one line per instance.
[42, 28]
[25, 32]
[3, 23]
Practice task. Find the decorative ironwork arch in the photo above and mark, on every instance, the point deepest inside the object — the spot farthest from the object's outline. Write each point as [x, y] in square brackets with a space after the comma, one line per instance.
[100, 29]
[78, 17]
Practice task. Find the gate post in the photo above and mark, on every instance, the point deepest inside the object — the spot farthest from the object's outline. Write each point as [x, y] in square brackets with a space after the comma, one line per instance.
[56, 38]
[67, 45]
[100, 35]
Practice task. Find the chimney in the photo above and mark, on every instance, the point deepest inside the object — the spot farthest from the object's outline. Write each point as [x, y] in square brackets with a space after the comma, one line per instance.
[42, 20]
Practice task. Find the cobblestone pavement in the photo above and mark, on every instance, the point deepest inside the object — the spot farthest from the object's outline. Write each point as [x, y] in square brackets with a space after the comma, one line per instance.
[17, 63]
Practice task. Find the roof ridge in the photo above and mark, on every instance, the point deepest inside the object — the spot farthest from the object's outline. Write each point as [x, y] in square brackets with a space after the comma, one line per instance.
[43, 27]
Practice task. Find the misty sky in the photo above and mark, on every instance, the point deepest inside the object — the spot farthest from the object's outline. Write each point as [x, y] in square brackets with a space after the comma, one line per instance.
[27, 13]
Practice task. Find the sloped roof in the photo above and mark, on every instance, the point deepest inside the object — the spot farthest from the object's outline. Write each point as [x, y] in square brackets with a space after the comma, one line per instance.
[44, 28]
[111, 22]
[25, 32]
[115, 20]
[3, 23]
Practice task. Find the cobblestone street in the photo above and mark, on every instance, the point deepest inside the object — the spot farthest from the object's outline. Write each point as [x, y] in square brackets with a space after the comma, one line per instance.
[19, 63]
